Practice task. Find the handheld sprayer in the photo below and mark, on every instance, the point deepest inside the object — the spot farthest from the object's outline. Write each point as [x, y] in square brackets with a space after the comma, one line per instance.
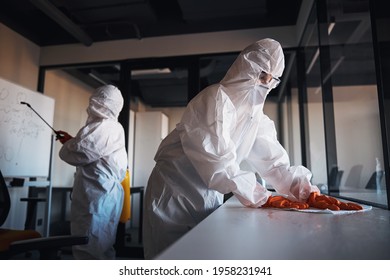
[28, 105]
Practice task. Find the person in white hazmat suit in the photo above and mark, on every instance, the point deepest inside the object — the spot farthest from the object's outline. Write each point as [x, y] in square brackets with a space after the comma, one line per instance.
[99, 154]
[221, 142]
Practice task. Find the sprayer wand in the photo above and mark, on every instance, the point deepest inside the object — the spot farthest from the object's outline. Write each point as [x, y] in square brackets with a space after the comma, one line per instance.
[28, 105]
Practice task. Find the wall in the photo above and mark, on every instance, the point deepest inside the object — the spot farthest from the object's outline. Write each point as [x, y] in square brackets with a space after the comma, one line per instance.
[316, 137]
[179, 45]
[295, 130]
[357, 132]
[174, 114]
[70, 115]
[19, 60]
[20, 64]
[357, 126]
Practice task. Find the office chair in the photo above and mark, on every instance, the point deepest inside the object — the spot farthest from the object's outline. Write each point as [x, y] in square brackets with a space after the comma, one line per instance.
[375, 181]
[14, 243]
[335, 178]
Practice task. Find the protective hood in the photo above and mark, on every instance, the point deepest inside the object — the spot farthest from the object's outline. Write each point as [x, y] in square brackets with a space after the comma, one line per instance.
[105, 103]
[264, 55]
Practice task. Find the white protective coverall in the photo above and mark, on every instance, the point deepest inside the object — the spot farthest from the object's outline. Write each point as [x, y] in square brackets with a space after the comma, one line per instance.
[99, 154]
[223, 139]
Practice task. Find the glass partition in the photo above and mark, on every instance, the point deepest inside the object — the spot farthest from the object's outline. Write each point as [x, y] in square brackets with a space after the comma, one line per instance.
[335, 90]
[355, 97]
[312, 72]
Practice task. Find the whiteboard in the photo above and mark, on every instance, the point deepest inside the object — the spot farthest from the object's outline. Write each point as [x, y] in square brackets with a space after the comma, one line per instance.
[25, 140]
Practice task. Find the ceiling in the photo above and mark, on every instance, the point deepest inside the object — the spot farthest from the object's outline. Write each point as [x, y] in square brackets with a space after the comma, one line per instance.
[58, 22]
[53, 22]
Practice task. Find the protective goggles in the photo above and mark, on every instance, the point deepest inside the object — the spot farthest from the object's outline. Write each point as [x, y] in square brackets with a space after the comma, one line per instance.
[268, 81]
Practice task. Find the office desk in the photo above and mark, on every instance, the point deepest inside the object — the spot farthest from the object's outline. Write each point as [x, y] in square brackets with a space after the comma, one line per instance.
[235, 232]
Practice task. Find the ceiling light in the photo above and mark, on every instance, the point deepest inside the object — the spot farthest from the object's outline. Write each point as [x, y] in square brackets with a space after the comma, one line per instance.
[151, 71]
[314, 59]
[330, 27]
[97, 78]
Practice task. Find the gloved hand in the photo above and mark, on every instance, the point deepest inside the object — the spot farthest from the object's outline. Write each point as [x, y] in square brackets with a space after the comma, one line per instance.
[282, 202]
[64, 136]
[322, 201]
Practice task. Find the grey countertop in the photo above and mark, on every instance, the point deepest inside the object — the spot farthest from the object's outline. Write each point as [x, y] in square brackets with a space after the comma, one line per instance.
[234, 232]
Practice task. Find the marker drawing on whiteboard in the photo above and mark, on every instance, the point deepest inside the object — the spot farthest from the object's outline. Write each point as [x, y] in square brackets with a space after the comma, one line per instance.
[28, 105]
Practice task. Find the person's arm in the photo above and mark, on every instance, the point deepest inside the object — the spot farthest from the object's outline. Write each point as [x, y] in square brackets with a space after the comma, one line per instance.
[273, 164]
[205, 134]
[87, 146]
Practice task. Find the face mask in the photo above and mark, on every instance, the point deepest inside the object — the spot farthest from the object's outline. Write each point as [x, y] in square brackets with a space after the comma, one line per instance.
[262, 90]
[259, 84]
